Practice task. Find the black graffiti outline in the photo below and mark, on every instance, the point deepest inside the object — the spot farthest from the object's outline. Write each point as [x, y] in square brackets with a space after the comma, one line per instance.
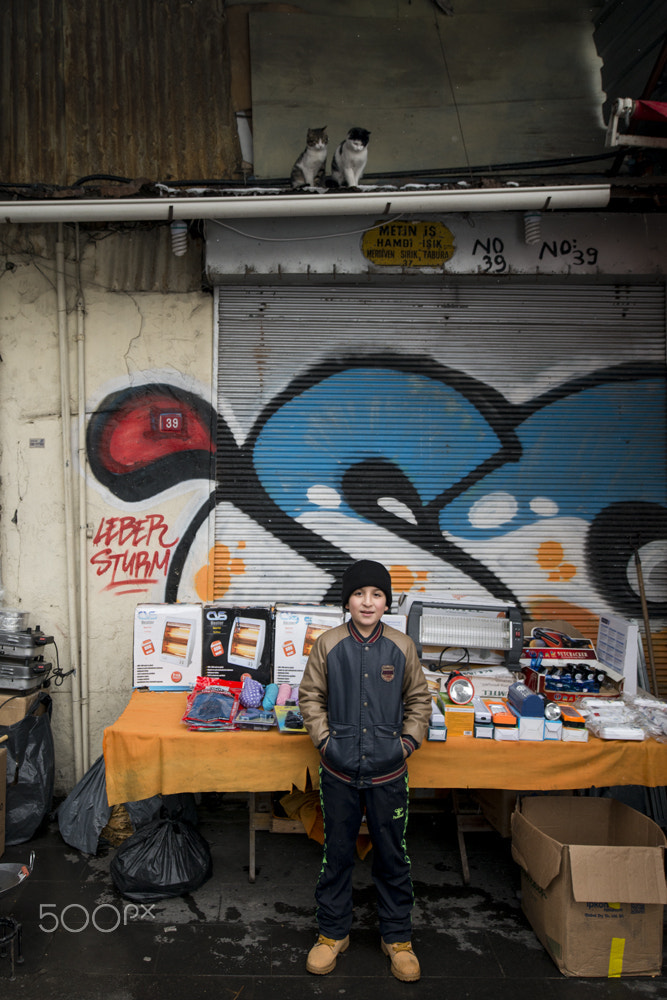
[242, 487]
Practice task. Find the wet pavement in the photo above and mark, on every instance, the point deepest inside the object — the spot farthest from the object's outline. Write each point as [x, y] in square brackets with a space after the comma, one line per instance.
[235, 939]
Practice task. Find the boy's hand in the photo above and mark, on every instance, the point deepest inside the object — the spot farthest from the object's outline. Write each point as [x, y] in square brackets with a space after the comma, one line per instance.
[323, 746]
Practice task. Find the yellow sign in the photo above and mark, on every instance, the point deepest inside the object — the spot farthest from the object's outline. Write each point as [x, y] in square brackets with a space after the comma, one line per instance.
[408, 244]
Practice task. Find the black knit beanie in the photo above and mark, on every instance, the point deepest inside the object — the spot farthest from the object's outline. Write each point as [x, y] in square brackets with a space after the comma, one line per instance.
[365, 573]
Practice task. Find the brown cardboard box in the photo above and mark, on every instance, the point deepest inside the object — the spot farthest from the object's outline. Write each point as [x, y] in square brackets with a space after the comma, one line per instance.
[498, 804]
[592, 883]
[3, 796]
[13, 707]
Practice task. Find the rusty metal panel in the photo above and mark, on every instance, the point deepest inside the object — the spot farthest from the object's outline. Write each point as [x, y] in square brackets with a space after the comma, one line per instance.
[141, 259]
[137, 90]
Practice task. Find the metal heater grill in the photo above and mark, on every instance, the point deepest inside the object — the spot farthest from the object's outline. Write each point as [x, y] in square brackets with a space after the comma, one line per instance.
[467, 629]
[435, 623]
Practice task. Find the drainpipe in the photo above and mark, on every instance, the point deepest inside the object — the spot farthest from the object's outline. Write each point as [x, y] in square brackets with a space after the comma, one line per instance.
[66, 421]
[379, 203]
[83, 507]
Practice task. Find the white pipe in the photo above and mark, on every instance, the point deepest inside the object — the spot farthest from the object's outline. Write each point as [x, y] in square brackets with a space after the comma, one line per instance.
[83, 510]
[66, 430]
[243, 205]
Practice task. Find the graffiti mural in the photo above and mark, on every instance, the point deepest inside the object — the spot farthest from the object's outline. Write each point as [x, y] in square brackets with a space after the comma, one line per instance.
[131, 553]
[509, 497]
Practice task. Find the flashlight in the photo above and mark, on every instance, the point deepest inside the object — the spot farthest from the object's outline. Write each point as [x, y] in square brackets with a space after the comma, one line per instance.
[459, 688]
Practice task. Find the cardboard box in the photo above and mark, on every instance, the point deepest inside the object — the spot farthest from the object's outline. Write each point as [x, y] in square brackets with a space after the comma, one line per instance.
[497, 805]
[530, 728]
[553, 729]
[167, 646]
[3, 796]
[459, 719]
[14, 707]
[592, 883]
[237, 641]
[295, 630]
[536, 681]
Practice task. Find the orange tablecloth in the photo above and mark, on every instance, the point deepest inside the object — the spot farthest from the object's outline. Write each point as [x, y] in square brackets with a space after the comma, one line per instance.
[148, 751]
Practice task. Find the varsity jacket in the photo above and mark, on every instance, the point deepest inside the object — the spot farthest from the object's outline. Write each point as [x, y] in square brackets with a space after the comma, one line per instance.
[363, 700]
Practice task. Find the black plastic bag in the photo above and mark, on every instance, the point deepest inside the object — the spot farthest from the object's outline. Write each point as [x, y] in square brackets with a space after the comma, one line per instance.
[86, 810]
[165, 858]
[30, 771]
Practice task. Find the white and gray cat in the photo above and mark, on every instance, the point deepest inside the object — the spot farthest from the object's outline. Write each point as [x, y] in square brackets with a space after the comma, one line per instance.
[310, 167]
[349, 160]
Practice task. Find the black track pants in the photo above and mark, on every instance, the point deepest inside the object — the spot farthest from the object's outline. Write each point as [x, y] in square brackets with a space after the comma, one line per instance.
[387, 816]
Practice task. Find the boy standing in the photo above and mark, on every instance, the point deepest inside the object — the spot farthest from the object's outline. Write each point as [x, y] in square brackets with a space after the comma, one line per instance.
[365, 702]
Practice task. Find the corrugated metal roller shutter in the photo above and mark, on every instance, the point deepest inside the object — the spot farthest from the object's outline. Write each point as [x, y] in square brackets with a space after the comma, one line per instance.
[469, 435]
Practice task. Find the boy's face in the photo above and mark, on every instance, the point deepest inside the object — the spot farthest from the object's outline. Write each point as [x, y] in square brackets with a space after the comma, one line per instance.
[366, 606]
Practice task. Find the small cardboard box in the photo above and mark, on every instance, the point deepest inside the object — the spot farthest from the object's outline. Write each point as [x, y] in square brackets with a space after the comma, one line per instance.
[592, 883]
[296, 628]
[459, 719]
[237, 641]
[14, 707]
[167, 646]
[3, 796]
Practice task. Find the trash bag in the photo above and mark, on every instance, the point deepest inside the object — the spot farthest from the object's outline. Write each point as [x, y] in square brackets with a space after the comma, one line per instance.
[30, 771]
[179, 805]
[86, 811]
[165, 858]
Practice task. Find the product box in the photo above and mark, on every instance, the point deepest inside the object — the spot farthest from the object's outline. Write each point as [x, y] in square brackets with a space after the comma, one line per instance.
[490, 682]
[459, 719]
[505, 726]
[167, 646]
[536, 681]
[530, 728]
[497, 805]
[237, 640]
[296, 628]
[617, 646]
[592, 883]
[553, 729]
[14, 707]
[3, 796]
[483, 730]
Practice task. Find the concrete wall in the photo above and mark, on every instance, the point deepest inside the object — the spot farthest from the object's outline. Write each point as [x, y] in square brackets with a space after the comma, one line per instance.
[158, 335]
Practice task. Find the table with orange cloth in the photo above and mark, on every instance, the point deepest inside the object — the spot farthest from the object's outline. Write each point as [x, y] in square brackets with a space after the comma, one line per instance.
[148, 750]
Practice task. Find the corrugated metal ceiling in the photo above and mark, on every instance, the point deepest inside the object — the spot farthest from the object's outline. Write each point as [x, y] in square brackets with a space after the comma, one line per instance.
[136, 90]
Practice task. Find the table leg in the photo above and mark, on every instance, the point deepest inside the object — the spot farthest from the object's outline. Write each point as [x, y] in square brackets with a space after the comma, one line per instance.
[252, 826]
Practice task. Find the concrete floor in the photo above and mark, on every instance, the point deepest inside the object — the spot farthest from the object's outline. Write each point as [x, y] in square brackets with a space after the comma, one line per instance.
[232, 939]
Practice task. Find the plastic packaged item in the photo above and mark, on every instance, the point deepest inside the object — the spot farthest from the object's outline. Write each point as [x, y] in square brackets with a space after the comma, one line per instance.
[284, 692]
[270, 695]
[252, 693]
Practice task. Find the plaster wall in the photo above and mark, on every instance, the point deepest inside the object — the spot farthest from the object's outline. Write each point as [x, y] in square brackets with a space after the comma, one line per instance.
[160, 335]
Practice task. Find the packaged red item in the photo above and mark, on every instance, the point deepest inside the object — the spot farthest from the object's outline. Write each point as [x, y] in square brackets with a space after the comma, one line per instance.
[212, 704]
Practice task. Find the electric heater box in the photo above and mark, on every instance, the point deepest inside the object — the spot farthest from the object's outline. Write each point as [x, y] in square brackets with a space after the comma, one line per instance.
[167, 652]
[296, 629]
[237, 642]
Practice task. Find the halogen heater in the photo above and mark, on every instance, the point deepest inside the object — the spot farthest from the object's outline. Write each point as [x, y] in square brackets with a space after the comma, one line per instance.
[470, 627]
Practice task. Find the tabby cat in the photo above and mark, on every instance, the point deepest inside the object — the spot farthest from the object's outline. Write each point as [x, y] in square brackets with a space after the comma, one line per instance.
[349, 160]
[310, 167]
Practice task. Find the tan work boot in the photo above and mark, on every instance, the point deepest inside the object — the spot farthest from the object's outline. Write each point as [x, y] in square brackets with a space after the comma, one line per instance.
[322, 956]
[404, 962]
